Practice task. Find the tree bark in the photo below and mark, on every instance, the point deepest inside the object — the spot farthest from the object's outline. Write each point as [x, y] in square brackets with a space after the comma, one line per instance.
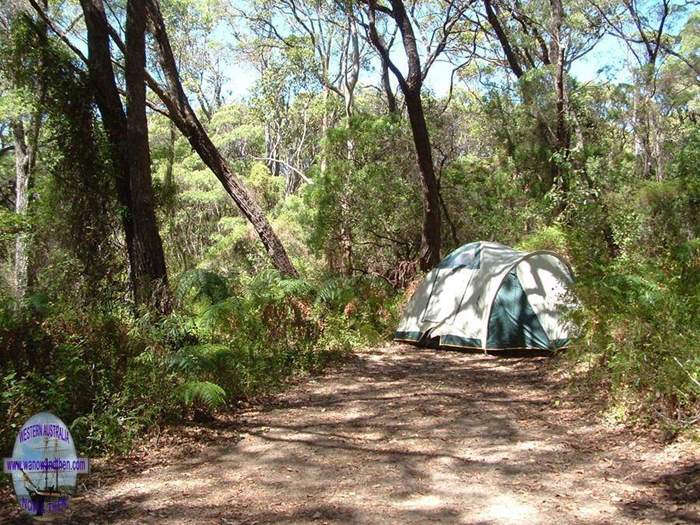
[112, 112]
[558, 53]
[352, 72]
[26, 149]
[430, 233]
[169, 178]
[151, 287]
[325, 125]
[189, 125]
[513, 61]
[22, 174]
[411, 87]
[391, 105]
[562, 138]
[115, 122]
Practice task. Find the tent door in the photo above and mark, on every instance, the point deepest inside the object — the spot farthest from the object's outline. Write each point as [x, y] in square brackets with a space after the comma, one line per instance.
[513, 323]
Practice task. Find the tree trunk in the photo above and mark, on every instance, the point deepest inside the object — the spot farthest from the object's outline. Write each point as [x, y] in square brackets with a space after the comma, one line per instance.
[352, 71]
[22, 173]
[115, 124]
[112, 112]
[151, 286]
[169, 186]
[557, 55]
[189, 125]
[390, 98]
[325, 124]
[657, 140]
[411, 87]
[430, 234]
[511, 57]
[26, 148]
[562, 138]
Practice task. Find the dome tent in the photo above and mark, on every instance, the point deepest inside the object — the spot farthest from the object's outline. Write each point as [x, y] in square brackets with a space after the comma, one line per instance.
[488, 296]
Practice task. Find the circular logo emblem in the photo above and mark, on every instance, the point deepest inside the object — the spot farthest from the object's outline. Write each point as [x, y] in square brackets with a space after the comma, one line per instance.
[44, 465]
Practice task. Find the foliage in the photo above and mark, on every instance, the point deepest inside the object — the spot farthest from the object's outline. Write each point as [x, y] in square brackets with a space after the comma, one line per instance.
[640, 303]
[78, 212]
[369, 196]
[110, 375]
[616, 193]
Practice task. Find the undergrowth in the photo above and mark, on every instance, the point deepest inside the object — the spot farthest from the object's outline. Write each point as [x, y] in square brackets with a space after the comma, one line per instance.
[110, 374]
[637, 266]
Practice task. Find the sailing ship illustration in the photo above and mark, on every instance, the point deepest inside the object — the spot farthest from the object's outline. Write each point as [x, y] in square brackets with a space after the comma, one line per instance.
[43, 487]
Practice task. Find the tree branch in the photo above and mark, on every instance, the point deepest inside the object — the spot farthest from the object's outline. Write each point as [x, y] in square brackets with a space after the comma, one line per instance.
[381, 47]
[503, 39]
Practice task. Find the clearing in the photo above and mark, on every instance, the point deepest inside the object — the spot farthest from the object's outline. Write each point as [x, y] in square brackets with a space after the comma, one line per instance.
[406, 435]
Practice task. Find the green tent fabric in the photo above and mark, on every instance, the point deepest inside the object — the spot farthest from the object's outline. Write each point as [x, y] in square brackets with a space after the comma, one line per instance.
[488, 296]
[513, 323]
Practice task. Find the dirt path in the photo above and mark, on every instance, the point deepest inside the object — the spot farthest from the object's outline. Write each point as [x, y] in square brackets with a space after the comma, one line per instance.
[400, 435]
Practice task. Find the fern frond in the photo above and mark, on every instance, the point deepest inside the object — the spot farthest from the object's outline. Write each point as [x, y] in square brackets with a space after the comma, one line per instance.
[205, 393]
[201, 285]
[334, 293]
[200, 358]
[269, 285]
[218, 314]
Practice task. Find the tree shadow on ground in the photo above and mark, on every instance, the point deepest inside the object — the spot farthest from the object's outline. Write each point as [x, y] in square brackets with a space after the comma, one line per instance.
[679, 489]
[397, 436]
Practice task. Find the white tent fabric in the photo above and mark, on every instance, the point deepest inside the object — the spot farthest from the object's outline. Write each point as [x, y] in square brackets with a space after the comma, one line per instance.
[546, 279]
[456, 299]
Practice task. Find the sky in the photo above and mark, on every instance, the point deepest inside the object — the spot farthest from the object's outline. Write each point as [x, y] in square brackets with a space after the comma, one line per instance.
[606, 62]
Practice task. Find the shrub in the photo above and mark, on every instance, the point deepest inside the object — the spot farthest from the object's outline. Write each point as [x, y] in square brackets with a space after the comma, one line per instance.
[112, 375]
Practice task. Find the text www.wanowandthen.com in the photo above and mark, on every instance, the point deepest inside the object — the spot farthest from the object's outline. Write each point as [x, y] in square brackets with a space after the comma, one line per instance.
[77, 465]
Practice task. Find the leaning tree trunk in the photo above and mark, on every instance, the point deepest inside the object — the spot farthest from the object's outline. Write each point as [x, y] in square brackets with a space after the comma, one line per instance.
[152, 285]
[189, 125]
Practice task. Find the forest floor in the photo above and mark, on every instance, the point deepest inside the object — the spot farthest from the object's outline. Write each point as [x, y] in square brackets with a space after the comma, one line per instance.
[404, 435]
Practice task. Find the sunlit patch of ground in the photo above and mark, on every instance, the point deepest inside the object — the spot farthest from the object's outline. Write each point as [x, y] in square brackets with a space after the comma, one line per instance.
[403, 435]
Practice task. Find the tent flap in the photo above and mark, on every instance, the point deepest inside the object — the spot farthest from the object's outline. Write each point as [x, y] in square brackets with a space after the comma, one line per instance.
[406, 336]
[456, 341]
[513, 323]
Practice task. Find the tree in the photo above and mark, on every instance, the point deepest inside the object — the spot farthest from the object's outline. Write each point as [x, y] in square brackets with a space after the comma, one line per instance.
[411, 85]
[149, 260]
[179, 109]
[131, 161]
[540, 39]
[644, 28]
[330, 30]
[25, 131]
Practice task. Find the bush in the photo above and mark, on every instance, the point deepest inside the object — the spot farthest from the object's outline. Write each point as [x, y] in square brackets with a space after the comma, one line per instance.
[111, 375]
[640, 292]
